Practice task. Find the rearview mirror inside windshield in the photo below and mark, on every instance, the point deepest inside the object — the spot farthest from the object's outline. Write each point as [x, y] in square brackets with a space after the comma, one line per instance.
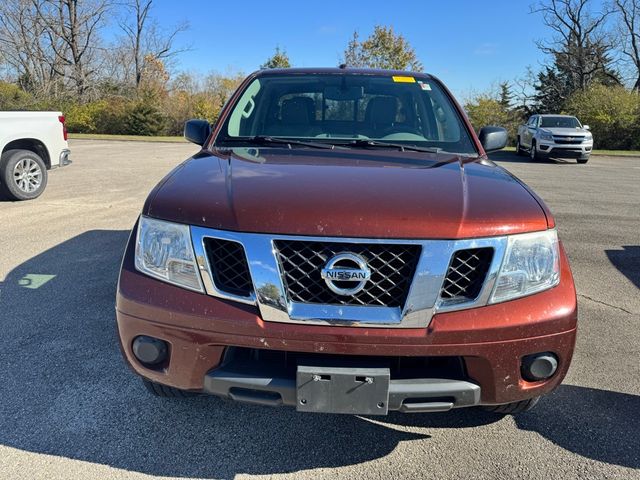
[344, 93]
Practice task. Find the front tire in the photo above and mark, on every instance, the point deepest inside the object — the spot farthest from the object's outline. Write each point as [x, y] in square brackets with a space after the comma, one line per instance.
[583, 160]
[23, 174]
[513, 408]
[533, 152]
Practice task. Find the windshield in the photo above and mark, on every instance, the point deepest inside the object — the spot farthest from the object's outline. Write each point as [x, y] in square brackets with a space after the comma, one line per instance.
[347, 109]
[560, 122]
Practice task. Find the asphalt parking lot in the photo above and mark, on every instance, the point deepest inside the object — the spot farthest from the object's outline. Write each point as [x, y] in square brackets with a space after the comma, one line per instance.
[70, 408]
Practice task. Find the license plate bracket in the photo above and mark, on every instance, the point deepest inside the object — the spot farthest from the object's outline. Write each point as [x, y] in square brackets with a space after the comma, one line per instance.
[350, 390]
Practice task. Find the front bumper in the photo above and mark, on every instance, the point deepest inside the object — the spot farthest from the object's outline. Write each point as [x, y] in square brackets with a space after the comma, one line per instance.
[550, 149]
[491, 340]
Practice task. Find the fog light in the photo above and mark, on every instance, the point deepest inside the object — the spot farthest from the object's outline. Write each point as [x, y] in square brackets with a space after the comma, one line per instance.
[149, 350]
[539, 366]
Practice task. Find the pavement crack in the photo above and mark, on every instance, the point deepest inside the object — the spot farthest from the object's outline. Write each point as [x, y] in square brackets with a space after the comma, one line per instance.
[606, 304]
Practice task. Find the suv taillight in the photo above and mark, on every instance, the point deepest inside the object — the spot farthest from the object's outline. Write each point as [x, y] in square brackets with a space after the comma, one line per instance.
[64, 127]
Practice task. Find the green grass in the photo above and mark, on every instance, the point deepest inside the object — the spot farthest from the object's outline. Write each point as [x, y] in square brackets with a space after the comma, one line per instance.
[129, 138]
[621, 153]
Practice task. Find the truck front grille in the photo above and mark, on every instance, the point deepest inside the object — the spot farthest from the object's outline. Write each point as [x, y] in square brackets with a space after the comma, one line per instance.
[466, 274]
[229, 266]
[392, 268]
[568, 140]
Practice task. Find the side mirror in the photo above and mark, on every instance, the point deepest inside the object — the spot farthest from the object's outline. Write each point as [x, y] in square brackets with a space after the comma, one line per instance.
[586, 127]
[493, 138]
[197, 131]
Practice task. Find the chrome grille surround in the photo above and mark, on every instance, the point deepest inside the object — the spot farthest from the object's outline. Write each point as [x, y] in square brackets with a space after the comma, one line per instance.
[423, 300]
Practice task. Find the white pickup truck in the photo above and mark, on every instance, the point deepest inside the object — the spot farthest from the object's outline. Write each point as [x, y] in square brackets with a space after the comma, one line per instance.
[560, 136]
[31, 144]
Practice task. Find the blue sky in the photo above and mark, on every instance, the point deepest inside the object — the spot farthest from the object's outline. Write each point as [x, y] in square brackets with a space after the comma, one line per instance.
[470, 45]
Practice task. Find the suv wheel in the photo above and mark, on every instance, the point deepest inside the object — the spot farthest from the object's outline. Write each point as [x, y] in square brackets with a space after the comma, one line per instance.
[513, 408]
[583, 160]
[533, 151]
[23, 174]
[160, 390]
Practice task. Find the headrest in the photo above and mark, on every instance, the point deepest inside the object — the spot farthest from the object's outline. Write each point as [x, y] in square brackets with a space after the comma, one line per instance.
[298, 111]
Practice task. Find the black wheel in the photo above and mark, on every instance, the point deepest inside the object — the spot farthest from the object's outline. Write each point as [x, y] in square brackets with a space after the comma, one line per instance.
[533, 152]
[583, 160]
[160, 390]
[513, 408]
[519, 151]
[23, 174]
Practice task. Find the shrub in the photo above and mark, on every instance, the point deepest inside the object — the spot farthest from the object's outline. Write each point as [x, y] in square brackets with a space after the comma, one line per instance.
[113, 118]
[84, 118]
[12, 97]
[484, 110]
[613, 113]
[144, 118]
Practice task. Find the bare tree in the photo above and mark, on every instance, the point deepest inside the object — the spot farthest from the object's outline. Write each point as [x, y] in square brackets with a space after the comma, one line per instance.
[26, 49]
[145, 40]
[73, 29]
[581, 46]
[629, 27]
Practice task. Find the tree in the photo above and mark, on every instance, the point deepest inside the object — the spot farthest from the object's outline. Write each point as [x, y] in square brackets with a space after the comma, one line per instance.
[580, 48]
[491, 109]
[552, 89]
[26, 51]
[219, 88]
[382, 49]
[145, 118]
[12, 97]
[279, 59]
[629, 28]
[613, 113]
[506, 97]
[144, 41]
[72, 27]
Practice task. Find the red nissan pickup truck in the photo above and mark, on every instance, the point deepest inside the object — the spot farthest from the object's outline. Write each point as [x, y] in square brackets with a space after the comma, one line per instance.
[342, 244]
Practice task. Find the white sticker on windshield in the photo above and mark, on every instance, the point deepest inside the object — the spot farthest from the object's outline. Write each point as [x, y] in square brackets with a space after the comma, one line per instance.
[425, 86]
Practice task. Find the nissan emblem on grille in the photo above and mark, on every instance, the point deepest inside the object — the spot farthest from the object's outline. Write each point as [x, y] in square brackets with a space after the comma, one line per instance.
[340, 269]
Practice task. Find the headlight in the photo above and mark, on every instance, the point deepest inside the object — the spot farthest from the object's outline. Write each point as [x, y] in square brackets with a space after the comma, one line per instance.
[588, 137]
[164, 251]
[546, 136]
[531, 264]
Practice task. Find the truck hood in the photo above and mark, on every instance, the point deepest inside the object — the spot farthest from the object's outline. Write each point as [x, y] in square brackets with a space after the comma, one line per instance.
[567, 132]
[346, 193]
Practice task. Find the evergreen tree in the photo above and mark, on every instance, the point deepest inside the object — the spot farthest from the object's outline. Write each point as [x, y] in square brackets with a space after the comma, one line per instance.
[279, 59]
[506, 96]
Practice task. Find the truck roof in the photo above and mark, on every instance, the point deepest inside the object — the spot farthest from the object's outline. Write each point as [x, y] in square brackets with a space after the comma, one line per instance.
[556, 115]
[337, 70]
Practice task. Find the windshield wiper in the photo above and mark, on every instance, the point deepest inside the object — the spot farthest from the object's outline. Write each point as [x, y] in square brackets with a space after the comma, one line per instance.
[266, 140]
[361, 142]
